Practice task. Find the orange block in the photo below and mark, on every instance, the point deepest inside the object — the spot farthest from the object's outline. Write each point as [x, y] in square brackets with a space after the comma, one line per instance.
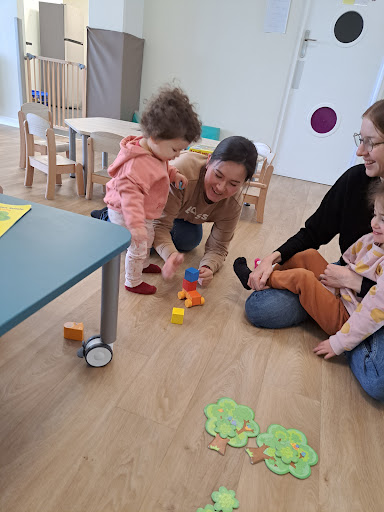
[74, 331]
[195, 297]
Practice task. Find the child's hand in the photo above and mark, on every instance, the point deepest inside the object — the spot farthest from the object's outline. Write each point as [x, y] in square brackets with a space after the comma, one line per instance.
[180, 181]
[172, 264]
[139, 235]
[205, 276]
[324, 349]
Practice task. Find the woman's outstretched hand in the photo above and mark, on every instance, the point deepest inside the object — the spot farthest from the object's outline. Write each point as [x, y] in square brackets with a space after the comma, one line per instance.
[172, 264]
[324, 349]
[258, 278]
[337, 276]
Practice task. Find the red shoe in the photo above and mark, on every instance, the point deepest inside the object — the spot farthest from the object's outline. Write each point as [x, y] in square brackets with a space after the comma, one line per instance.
[152, 269]
[143, 288]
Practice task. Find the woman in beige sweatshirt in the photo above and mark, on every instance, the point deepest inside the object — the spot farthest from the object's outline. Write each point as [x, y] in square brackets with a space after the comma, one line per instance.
[213, 194]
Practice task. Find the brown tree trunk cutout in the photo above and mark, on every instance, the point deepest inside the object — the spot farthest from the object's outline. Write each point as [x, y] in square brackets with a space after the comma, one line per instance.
[219, 444]
[244, 429]
[258, 454]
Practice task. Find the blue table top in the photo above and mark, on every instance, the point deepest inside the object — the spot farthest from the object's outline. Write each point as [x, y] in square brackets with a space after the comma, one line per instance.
[47, 252]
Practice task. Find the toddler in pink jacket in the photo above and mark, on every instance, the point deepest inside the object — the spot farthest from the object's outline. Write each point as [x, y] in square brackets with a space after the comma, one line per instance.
[141, 175]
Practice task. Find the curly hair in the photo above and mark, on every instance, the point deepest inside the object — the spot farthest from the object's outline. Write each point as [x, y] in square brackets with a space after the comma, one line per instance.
[170, 115]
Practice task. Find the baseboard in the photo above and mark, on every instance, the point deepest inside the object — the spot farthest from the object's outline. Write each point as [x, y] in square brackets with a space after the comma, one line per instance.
[9, 121]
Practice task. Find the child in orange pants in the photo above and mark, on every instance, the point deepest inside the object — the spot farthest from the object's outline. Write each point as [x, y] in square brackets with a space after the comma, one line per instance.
[301, 276]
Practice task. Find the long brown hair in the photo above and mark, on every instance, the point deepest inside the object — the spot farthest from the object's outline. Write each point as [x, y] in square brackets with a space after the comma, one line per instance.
[375, 113]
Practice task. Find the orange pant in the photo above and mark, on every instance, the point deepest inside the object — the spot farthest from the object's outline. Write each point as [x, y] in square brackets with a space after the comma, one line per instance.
[300, 275]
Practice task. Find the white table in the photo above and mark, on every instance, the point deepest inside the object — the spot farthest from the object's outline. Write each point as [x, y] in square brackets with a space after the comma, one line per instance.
[84, 126]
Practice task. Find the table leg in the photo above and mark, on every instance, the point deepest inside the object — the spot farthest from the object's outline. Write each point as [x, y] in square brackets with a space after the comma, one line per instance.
[72, 147]
[109, 300]
[104, 160]
[85, 158]
[72, 144]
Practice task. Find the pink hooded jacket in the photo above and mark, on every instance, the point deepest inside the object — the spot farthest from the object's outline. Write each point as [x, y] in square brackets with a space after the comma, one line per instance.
[140, 183]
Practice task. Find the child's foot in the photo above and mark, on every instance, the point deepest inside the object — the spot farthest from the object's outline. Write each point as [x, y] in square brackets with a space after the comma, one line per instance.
[143, 288]
[242, 271]
[100, 214]
[152, 269]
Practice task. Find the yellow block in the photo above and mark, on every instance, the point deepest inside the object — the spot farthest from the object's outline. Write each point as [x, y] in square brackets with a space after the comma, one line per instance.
[202, 148]
[177, 316]
[74, 331]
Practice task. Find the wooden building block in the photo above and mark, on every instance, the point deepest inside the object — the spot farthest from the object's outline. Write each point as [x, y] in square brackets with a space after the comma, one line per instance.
[177, 316]
[74, 331]
[188, 286]
[191, 274]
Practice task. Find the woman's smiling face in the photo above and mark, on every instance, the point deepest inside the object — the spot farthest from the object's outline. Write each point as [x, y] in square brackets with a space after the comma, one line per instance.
[223, 179]
[373, 160]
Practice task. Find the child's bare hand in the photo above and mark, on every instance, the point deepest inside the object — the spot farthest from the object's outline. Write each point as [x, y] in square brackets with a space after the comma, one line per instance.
[172, 264]
[324, 349]
[205, 276]
[139, 235]
[180, 181]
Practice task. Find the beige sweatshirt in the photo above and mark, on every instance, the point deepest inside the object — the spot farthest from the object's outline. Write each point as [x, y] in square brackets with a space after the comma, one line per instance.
[191, 205]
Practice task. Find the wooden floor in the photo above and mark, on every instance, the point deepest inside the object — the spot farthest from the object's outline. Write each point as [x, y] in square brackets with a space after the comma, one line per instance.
[130, 437]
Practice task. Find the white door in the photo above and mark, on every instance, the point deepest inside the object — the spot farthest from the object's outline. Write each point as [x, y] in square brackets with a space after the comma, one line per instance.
[333, 84]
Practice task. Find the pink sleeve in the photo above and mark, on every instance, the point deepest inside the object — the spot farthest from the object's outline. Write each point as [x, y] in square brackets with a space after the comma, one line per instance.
[364, 321]
[351, 254]
[172, 172]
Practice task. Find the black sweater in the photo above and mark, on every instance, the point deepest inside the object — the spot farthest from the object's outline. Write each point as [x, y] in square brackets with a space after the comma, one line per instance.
[344, 211]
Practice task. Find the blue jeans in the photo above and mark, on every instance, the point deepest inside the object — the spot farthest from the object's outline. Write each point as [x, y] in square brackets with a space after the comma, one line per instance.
[186, 236]
[274, 309]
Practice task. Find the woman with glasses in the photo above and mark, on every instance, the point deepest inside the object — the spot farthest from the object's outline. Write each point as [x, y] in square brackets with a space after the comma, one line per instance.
[344, 211]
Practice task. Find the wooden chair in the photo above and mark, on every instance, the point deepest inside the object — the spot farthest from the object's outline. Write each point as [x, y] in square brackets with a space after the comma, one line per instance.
[52, 164]
[62, 143]
[256, 190]
[102, 142]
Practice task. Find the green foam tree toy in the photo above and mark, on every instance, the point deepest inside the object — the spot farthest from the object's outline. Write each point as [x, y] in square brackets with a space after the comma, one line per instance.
[284, 451]
[229, 423]
[225, 501]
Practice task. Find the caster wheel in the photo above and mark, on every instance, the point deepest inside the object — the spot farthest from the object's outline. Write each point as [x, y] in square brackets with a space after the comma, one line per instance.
[97, 353]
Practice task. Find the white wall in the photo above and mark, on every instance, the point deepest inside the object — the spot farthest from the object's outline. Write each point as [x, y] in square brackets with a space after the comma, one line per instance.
[9, 84]
[31, 26]
[217, 51]
[118, 15]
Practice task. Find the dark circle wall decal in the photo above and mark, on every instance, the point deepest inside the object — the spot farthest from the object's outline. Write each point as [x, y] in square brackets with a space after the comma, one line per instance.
[348, 27]
[323, 120]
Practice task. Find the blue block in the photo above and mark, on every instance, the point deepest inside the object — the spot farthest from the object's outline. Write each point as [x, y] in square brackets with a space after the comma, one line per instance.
[191, 274]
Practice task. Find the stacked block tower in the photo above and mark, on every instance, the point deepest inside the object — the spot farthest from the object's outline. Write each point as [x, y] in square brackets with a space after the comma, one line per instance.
[189, 293]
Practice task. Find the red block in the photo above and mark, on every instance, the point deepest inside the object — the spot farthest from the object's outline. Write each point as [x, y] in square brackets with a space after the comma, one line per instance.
[188, 286]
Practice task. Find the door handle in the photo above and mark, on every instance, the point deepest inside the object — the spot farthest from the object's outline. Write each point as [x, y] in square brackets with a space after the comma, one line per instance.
[304, 45]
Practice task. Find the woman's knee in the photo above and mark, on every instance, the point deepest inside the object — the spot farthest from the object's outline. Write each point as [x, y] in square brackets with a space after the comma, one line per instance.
[186, 236]
[274, 309]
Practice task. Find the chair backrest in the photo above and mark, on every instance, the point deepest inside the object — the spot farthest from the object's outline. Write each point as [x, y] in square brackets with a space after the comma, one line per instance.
[210, 132]
[263, 149]
[37, 125]
[105, 142]
[37, 109]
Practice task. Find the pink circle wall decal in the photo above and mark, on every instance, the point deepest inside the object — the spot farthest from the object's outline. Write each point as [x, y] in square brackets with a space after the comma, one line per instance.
[323, 120]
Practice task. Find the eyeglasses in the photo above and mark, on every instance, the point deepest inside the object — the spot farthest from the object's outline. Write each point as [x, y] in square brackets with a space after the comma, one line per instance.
[366, 142]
